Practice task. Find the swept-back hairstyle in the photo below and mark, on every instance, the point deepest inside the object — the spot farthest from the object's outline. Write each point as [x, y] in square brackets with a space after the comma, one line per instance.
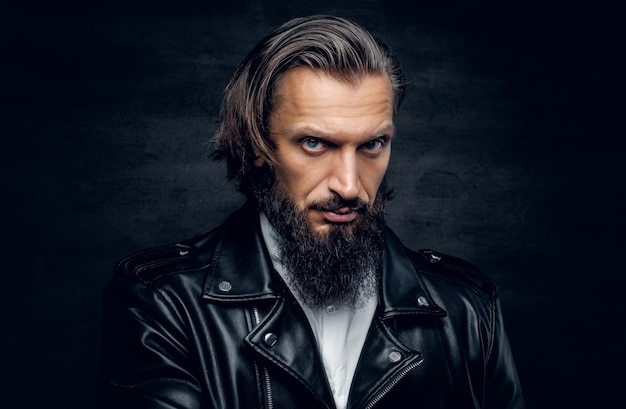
[333, 45]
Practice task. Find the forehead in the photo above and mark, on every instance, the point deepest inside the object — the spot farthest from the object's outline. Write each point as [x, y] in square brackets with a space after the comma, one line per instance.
[305, 96]
[296, 81]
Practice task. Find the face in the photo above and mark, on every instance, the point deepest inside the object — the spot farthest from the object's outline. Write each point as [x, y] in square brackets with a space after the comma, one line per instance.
[333, 140]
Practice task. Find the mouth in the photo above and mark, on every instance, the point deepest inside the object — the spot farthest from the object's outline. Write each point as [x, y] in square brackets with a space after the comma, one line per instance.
[341, 215]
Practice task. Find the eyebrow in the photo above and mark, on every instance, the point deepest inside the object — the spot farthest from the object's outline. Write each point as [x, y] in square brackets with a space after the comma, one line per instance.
[387, 130]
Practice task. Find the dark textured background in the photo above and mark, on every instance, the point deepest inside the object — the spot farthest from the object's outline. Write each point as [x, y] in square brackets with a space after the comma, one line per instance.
[506, 155]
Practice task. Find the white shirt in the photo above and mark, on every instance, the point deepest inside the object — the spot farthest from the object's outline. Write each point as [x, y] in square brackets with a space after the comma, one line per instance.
[340, 333]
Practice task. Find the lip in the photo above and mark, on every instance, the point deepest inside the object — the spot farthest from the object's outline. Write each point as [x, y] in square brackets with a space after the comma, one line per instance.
[343, 215]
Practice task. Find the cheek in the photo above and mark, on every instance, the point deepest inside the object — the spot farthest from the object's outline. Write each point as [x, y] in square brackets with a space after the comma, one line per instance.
[373, 177]
[304, 176]
[296, 182]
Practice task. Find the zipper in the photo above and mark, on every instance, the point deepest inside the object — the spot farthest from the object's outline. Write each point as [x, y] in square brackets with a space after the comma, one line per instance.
[393, 383]
[257, 317]
[266, 376]
[268, 389]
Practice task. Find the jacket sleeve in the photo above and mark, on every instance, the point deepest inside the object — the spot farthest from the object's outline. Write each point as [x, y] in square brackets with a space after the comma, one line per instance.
[145, 361]
[502, 386]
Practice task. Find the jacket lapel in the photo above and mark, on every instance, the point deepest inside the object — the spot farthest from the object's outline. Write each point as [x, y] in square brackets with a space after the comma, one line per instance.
[240, 269]
[403, 291]
[384, 359]
[286, 340]
[241, 272]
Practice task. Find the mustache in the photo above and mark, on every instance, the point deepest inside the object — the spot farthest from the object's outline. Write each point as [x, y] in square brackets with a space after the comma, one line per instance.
[337, 202]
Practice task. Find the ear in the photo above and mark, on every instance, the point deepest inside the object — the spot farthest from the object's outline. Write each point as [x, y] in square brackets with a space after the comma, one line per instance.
[258, 158]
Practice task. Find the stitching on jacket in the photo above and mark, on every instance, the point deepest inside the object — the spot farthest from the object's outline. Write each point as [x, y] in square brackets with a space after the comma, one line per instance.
[492, 326]
[174, 272]
[217, 253]
[148, 382]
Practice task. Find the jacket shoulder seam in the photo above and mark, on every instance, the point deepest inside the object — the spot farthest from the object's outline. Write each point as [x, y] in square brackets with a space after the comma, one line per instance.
[151, 264]
[455, 270]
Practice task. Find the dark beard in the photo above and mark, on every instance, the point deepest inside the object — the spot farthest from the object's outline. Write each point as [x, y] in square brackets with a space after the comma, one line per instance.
[340, 266]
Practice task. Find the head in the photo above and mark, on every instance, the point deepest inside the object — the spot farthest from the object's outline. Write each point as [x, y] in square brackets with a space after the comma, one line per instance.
[331, 45]
[307, 128]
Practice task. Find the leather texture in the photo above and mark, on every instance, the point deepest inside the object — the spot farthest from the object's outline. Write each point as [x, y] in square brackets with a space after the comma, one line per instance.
[208, 323]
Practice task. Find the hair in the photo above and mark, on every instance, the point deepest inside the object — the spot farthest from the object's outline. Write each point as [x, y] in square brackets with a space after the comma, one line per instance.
[332, 45]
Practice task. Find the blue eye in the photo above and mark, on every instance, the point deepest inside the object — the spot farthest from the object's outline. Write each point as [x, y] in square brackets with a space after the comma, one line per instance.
[374, 145]
[313, 144]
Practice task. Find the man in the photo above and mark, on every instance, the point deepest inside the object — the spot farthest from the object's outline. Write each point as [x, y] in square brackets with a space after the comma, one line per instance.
[303, 298]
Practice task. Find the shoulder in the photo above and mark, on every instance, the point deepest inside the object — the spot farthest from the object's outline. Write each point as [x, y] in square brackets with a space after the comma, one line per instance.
[442, 269]
[186, 256]
[447, 267]
[153, 263]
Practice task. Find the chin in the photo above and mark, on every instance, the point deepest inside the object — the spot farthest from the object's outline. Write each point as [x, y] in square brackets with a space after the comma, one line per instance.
[325, 229]
[322, 229]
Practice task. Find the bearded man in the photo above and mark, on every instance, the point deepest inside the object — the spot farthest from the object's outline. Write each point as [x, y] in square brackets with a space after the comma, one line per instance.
[303, 298]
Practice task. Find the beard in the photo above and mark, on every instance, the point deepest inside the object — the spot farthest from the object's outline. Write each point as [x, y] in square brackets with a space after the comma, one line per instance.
[340, 266]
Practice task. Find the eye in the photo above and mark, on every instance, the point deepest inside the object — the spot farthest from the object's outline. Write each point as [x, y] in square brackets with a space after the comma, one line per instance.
[313, 144]
[373, 145]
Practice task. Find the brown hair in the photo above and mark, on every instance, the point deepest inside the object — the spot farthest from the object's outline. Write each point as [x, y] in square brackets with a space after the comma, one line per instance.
[334, 45]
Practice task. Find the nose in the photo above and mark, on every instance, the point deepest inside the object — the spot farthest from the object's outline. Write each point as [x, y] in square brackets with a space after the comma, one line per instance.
[344, 176]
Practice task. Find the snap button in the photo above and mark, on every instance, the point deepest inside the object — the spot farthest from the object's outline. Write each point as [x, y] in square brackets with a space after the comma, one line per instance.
[270, 339]
[394, 356]
[183, 252]
[331, 309]
[422, 301]
[225, 286]
[434, 258]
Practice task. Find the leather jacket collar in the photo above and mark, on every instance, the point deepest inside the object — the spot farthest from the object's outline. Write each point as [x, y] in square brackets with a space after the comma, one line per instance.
[241, 271]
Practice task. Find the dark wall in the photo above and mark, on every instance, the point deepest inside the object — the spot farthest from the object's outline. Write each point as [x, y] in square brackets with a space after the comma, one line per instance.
[505, 155]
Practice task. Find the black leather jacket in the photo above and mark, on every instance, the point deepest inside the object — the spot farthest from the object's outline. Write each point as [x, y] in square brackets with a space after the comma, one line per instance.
[208, 323]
